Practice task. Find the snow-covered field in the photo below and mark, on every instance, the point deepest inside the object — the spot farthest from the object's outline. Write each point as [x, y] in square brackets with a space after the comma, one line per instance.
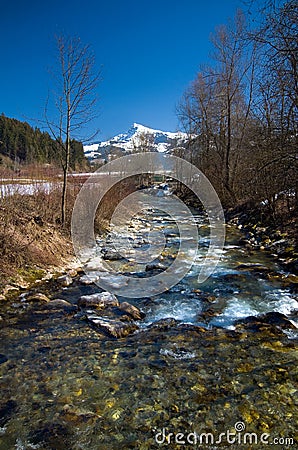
[26, 187]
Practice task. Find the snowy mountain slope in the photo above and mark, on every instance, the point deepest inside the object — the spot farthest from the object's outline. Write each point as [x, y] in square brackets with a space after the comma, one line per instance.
[137, 139]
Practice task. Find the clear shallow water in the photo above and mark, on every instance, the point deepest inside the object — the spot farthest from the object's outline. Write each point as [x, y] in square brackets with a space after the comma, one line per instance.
[65, 385]
[237, 292]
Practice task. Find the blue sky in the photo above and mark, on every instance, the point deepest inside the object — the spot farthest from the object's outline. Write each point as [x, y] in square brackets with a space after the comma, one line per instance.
[149, 52]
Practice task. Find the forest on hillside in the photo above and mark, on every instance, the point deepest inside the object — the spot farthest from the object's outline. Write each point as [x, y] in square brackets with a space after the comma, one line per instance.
[22, 144]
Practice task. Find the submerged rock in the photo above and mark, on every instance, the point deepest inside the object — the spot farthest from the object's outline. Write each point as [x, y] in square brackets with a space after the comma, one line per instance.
[3, 359]
[254, 267]
[77, 416]
[274, 319]
[101, 300]
[164, 324]
[112, 327]
[6, 411]
[60, 305]
[51, 436]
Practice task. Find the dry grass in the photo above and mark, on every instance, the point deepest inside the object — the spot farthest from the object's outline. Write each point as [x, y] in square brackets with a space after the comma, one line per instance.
[31, 235]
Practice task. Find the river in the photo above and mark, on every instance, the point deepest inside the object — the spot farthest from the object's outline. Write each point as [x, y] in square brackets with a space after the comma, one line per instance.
[196, 365]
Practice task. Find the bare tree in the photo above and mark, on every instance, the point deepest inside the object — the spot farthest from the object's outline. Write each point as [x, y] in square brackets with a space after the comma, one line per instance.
[217, 107]
[74, 98]
[276, 103]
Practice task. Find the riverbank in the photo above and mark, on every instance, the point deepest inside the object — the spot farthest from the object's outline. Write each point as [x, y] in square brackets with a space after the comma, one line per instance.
[34, 246]
[278, 236]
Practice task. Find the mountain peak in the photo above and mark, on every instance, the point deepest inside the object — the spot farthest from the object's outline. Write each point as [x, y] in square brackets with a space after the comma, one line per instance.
[132, 141]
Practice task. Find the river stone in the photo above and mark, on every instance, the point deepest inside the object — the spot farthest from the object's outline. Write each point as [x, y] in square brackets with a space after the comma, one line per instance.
[274, 319]
[157, 266]
[59, 302]
[89, 279]
[101, 300]
[38, 297]
[132, 310]
[111, 255]
[278, 319]
[164, 324]
[114, 328]
[6, 411]
[65, 280]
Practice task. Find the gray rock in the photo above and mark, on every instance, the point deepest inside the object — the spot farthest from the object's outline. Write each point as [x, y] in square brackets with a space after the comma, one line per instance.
[157, 266]
[114, 328]
[101, 300]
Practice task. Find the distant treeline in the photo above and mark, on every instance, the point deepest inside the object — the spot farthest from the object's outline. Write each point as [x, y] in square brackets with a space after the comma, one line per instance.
[23, 144]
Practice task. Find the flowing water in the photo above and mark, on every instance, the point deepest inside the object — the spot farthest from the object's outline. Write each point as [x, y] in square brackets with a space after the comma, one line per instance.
[190, 368]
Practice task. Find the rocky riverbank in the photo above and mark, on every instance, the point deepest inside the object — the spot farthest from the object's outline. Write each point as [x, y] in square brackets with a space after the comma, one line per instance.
[279, 238]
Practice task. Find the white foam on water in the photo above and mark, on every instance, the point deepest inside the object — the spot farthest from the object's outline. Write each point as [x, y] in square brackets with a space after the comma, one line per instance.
[179, 309]
[236, 309]
[279, 300]
[177, 353]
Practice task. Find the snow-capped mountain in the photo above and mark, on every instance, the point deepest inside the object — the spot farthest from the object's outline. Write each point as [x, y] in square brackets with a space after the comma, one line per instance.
[137, 139]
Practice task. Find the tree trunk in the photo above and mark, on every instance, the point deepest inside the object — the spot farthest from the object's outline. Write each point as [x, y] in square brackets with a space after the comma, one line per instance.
[65, 169]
